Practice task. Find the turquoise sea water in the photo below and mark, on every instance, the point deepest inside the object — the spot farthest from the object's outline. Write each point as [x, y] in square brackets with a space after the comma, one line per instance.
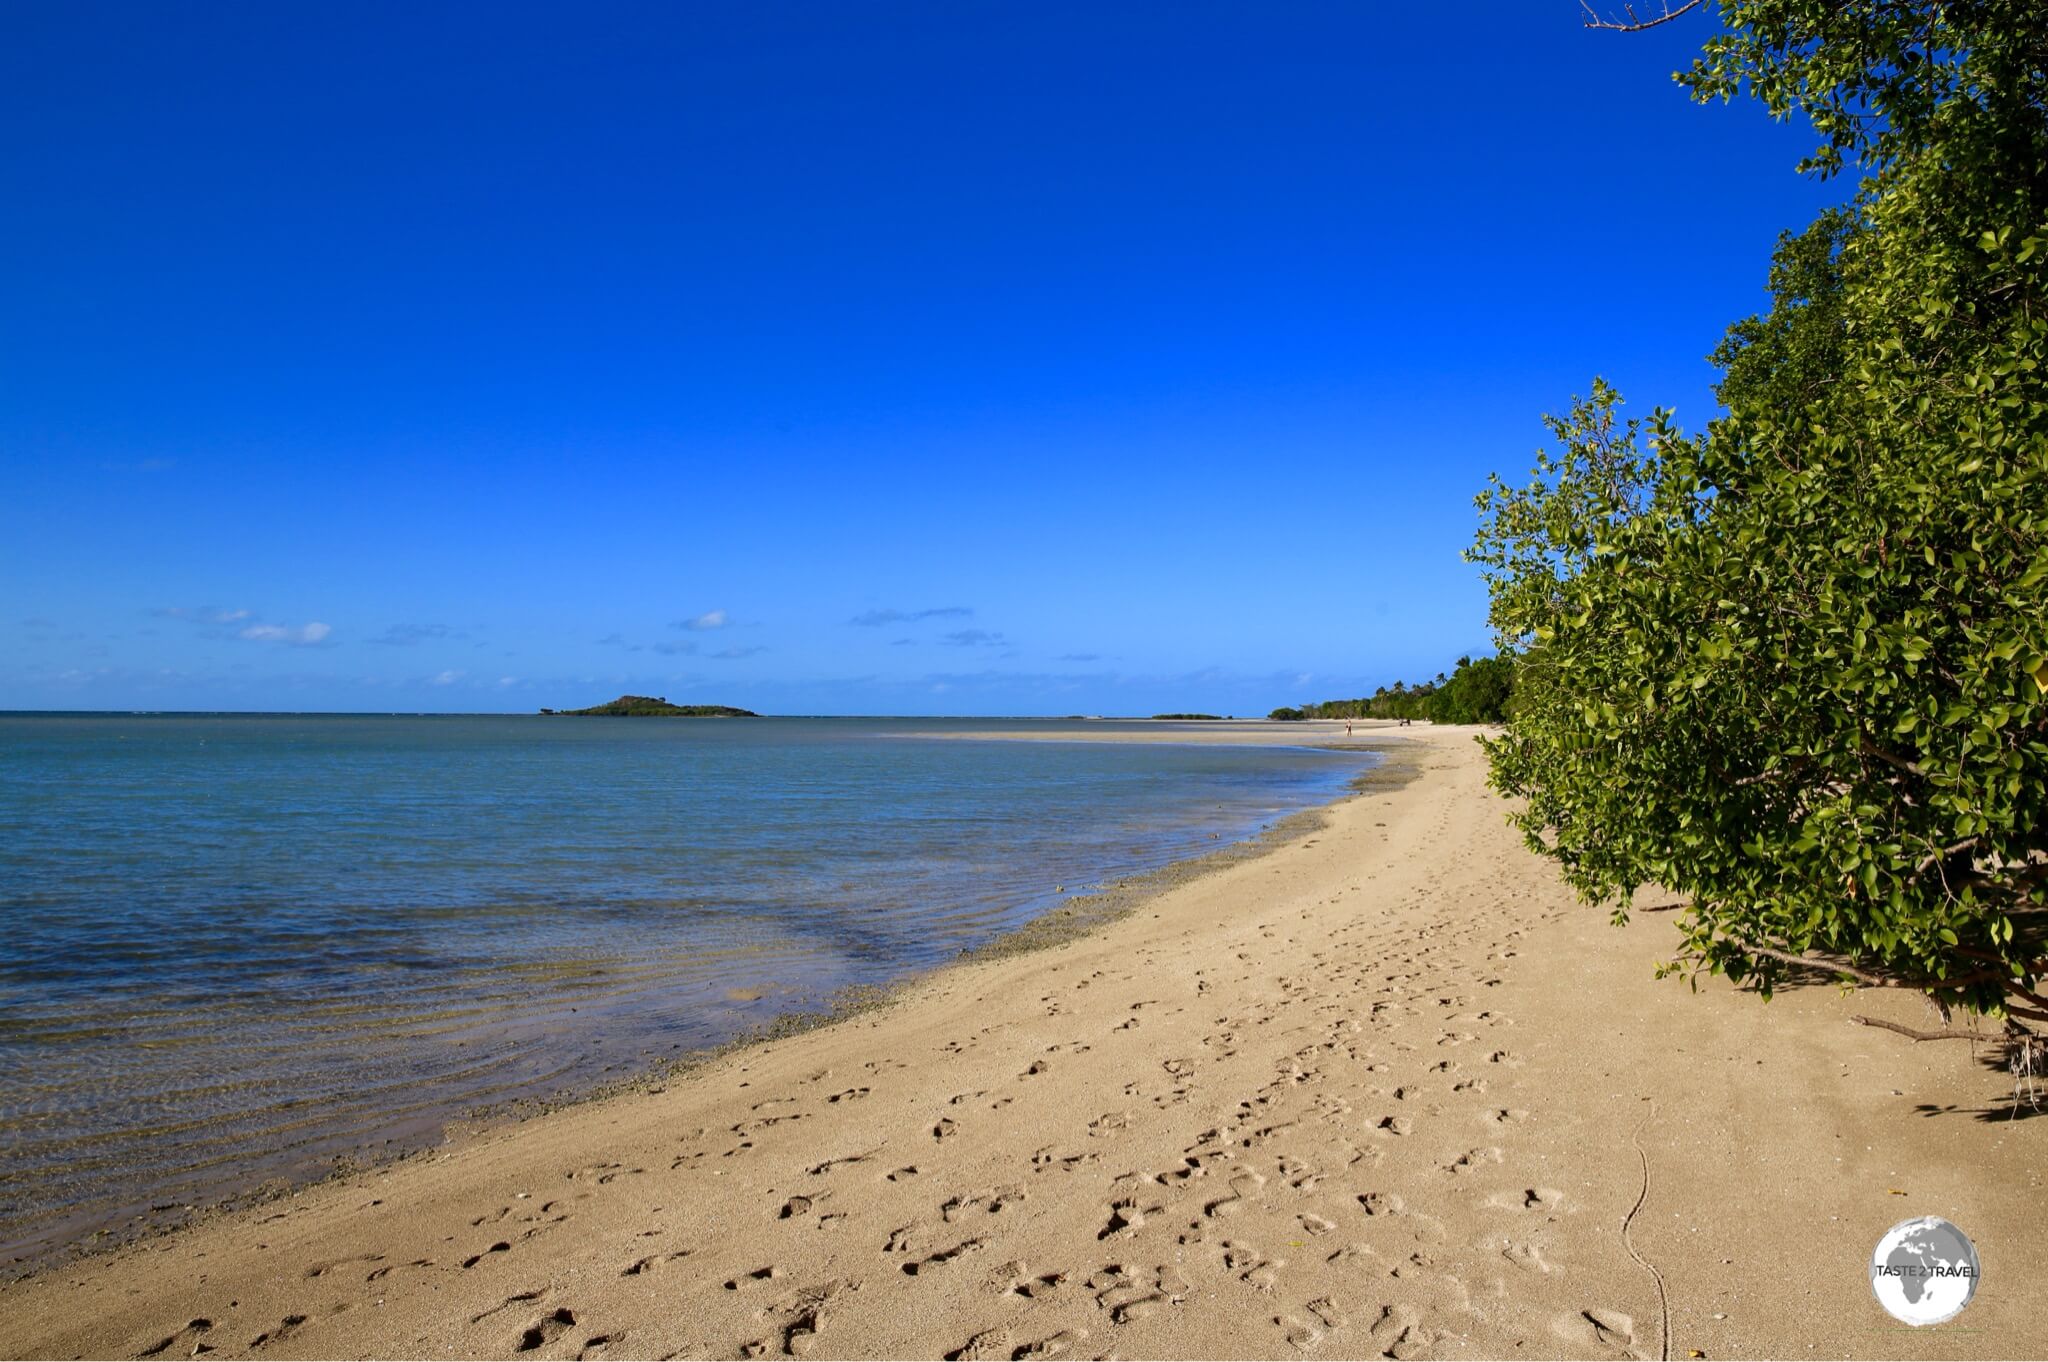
[235, 946]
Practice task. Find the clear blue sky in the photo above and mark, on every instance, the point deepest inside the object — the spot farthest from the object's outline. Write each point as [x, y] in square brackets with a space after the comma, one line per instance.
[938, 358]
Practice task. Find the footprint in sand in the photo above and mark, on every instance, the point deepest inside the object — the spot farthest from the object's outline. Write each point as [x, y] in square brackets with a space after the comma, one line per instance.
[799, 1319]
[1399, 1333]
[544, 1330]
[500, 1247]
[1131, 1294]
[918, 1267]
[1251, 1268]
[653, 1262]
[1124, 1218]
[285, 1329]
[993, 1201]
[1056, 1345]
[1595, 1328]
[1473, 1159]
[1014, 1279]
[1048, 1159]
[1298, 1333]
[600, 1346]
[820, 1169]
[1299, 1176]
[1424, 1227]
[1110, 1123]
[1545, 1200]
[754, 1278]
[322, 1269]
[986, 1346]
[512, 1302]
[1245, 1185]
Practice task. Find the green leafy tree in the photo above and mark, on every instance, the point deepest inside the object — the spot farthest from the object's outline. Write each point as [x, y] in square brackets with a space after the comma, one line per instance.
[1476, 693]
[1795, 666]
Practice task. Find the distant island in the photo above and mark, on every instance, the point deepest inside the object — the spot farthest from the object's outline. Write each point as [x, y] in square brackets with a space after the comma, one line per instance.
[643, 706]
[1187, 716]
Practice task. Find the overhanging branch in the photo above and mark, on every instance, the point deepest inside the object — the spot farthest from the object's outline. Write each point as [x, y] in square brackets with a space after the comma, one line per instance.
[1635, 23]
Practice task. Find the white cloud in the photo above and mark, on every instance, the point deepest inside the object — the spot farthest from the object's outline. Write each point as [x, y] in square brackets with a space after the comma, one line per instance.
[303, 636]
[447, 678]
[710, 619]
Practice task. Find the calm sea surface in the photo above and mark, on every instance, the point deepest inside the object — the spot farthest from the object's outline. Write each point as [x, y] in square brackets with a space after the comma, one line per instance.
[237, 946]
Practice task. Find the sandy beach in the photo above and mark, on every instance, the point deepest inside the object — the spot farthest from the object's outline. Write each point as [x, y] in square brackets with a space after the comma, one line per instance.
[1385, 1089]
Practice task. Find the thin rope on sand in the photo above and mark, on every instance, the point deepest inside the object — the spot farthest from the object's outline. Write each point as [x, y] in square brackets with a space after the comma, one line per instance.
[1663, 1299]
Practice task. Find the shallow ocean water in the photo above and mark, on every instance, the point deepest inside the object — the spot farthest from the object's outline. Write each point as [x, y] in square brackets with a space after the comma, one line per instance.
[236, 946]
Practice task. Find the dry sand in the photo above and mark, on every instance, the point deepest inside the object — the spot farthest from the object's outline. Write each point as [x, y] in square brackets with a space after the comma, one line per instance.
[1385, 1090]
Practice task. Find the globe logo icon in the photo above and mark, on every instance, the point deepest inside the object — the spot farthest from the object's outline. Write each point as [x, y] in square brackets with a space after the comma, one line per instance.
[1924, 1271]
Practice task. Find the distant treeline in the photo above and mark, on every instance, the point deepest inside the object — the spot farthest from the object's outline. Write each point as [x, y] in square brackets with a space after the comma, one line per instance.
[1478, 691]
[1187, 716]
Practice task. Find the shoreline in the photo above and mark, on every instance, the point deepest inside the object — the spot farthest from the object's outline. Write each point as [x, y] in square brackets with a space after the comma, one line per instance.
[1383, 1088]
[1073, 916]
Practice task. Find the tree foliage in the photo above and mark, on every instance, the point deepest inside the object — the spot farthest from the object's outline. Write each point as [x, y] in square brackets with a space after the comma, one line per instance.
[657, 707]
[1479, 691]
[1795, 666]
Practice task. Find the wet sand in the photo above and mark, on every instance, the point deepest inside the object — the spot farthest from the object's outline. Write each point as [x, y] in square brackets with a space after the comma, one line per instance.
[1385, 1089]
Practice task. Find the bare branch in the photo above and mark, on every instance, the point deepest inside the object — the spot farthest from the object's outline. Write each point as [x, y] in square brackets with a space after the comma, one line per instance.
[1634, 23]
[1910, 1034]
[1823, 966]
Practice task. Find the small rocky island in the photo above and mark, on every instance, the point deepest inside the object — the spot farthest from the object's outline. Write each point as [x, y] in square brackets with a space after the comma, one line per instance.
[644, 706]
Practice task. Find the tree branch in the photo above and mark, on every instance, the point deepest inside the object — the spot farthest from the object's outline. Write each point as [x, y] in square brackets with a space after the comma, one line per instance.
[1871, 749]
[1935, 857]
[1634, 24]
[1823, 966]
[1910, 1034]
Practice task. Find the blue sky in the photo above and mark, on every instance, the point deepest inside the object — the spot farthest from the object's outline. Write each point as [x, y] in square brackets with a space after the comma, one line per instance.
[872, 358]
